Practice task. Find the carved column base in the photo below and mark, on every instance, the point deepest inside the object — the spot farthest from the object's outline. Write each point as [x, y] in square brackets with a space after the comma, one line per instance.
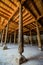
[5, 47]
[41, 49]
[1, 44]
[31, 44]
[21, 59]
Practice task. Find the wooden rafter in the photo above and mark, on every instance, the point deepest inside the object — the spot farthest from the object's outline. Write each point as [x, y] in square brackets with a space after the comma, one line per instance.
[9, 10]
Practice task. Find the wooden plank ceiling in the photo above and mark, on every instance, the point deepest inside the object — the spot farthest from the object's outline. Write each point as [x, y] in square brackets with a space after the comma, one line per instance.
[10, 7]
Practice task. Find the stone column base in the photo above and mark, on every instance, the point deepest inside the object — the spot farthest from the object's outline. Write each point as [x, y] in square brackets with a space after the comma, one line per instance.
[31, 44]
[5, 47]
[1, 44]
[21, 59]
[41, 49]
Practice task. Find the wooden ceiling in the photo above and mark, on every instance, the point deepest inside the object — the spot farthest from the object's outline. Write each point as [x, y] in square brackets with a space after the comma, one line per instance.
[9, 12]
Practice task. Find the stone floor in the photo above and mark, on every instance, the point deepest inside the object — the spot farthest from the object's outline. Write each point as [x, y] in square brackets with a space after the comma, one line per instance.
[32, 53]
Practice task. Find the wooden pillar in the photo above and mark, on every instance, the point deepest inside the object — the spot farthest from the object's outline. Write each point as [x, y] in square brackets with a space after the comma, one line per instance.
[20, 39]
[38, 37]
[10, 38]
[21, 58]
[14, 37]
[28, 40]
[30, 37]
[5, 46]
[2, 37]
[6, 34]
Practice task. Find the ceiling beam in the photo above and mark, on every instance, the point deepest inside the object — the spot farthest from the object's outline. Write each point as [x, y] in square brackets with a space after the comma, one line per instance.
[30, 21]
[34, 3]
[5, 9]
[13, 3]
[2, 22]
[6, 5]
[4, 16]
[5, 13]
[15, 18]
[10, 19]
[23, 16]
[29, 16]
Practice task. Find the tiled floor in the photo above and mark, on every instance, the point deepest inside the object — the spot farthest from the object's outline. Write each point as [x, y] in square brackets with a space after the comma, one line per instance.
[32, 53]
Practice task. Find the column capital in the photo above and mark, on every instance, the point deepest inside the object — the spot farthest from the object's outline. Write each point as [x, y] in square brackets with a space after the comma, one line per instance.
[21, 1]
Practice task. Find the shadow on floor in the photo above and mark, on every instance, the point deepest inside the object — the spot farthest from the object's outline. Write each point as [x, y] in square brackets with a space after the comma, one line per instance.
[37, 57]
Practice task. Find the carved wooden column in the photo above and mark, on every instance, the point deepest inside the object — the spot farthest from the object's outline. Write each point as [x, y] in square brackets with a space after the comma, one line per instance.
[38, 37]
[30, 37]
[14, 37]
[21, 58]
[10, 38]
[5, 46]
[20, 39]
[5, 36]
[2, 37]
[28, 40]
